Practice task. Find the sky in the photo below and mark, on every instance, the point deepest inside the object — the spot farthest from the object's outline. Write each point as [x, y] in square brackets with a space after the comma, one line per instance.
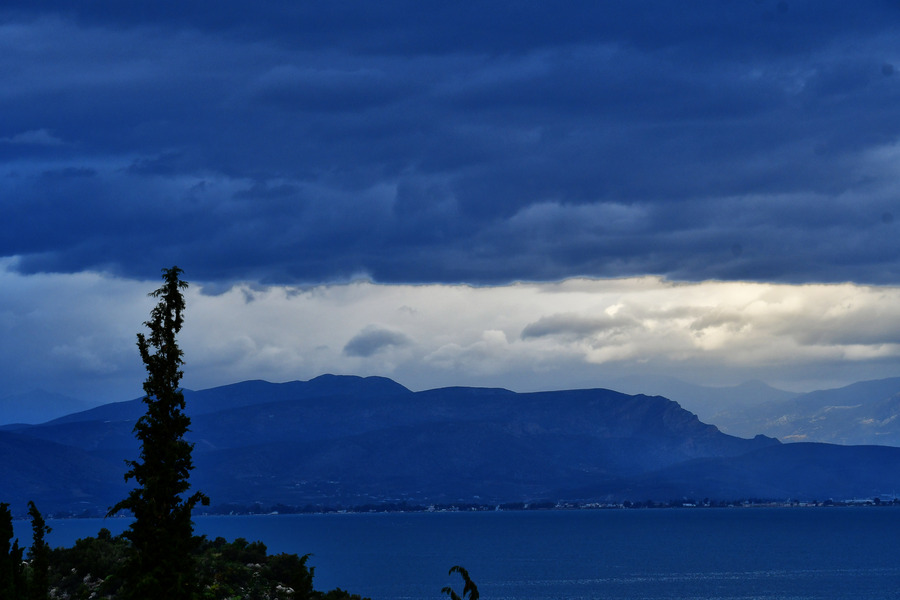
[518, 194]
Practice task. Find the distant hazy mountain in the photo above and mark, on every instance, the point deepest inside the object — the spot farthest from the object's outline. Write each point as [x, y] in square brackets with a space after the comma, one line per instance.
[711, 404]
[352, 441]
[36, 406]
[867, 412]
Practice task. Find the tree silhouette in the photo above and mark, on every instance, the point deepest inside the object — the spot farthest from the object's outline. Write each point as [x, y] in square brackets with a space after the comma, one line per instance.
[470, 590]
[12, 575]
[160, 564]
[39, 586]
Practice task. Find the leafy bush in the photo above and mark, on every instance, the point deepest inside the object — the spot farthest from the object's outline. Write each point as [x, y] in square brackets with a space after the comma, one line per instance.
[225, 570]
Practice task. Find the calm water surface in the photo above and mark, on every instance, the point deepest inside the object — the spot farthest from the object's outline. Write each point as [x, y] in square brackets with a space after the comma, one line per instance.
[721, 554]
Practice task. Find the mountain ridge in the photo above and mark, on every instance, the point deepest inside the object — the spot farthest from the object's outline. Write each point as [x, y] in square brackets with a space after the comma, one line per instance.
[861, 413]
[350, 441]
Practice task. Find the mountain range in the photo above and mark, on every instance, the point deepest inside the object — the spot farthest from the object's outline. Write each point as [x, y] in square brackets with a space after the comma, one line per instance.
[864, 413]
[867, 412]
[351, 441]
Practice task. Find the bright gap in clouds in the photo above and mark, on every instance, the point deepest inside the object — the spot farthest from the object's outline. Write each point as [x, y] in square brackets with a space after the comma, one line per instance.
[532, 336]
[74, 334]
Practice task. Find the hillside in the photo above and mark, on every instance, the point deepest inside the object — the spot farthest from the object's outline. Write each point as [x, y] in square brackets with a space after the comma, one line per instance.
[59, 477]
[710, 404]
[352, 441]
[864, 413]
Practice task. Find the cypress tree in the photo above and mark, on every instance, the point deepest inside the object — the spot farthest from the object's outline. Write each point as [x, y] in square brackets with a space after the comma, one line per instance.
[6, 533]
[160, 563]
[39, 586]
[12, 575]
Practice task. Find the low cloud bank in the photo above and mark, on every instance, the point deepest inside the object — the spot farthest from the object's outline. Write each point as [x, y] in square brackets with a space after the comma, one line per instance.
[74, 334]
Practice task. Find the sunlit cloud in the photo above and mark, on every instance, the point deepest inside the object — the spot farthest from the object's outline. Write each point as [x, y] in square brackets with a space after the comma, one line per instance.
[534, 335]
[76, 333]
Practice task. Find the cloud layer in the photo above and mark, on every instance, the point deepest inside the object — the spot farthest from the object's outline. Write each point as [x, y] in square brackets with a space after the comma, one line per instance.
[705, 189]
[755, 140]
[79, 333]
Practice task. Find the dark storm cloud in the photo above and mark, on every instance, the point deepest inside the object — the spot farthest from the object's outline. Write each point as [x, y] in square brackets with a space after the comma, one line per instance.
[327, 90]
[320, 141]
[577, 327]
[374, 339]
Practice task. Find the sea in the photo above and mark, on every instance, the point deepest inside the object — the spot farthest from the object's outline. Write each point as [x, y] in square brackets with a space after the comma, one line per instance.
[787, 553]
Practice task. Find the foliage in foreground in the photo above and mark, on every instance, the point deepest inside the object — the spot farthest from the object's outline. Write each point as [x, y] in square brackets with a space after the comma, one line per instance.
[224, 570]
[470, 590]
[12, 575]
[95, 568]
[21, 579]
